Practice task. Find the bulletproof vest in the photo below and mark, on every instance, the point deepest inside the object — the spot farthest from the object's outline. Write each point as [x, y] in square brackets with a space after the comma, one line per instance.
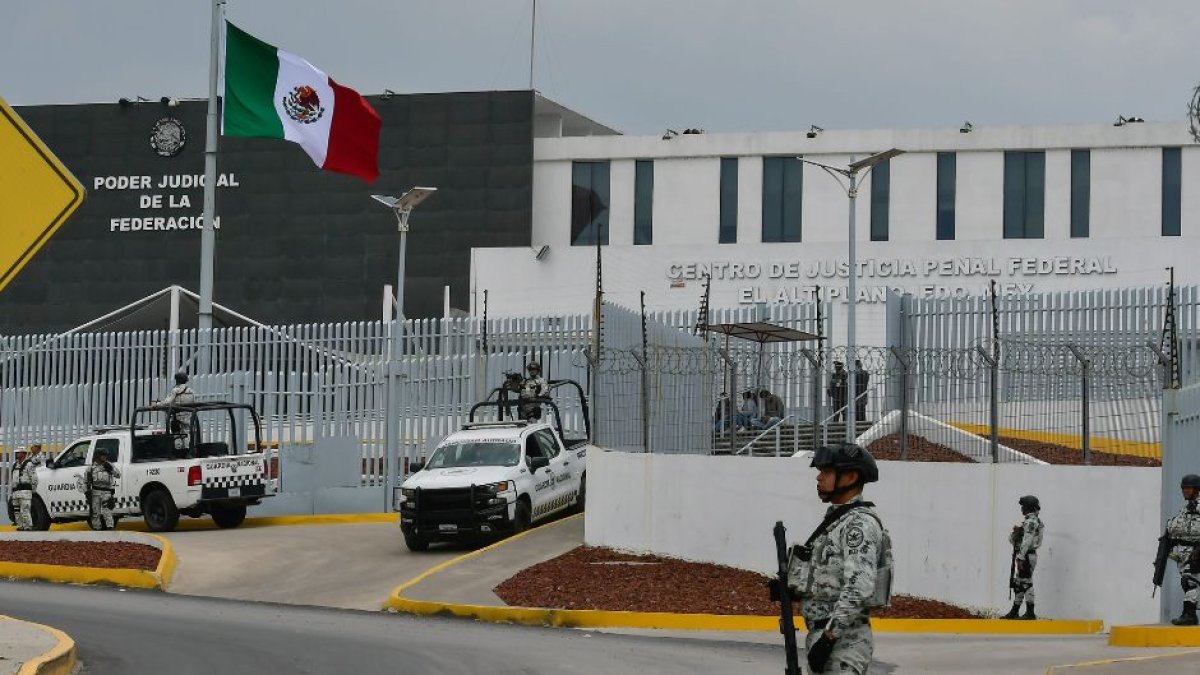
[1185, 526]
[802, 568]
[102, 478]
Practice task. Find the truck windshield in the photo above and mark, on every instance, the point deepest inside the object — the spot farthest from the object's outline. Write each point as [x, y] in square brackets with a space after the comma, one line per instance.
[475, 454]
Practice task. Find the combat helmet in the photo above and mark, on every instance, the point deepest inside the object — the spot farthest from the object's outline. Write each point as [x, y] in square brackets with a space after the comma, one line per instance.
[846, 457]
[1191, 480]
[181, 377]
[1030, 502]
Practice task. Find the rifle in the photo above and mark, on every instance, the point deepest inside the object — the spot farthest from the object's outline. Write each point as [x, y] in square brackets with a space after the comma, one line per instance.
[1165, 543]
[1012, 573]
[787, 624]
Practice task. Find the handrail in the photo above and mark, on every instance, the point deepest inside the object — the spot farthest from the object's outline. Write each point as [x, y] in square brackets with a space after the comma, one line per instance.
[773, 428]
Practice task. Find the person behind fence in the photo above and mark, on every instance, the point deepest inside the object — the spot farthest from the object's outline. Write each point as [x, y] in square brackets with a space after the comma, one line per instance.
[1025, 538]
[844, 570]
[1184, 531]
[100, 482]
[862, 380]
[772, 408]
[837, 390]
[180, 423]
[24, 482]
[533, 388]
[747, 414]
[722, 413]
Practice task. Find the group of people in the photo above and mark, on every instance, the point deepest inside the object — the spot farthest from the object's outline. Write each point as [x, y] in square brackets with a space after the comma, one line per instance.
[757, 410]
[99, 483]
[839, 390]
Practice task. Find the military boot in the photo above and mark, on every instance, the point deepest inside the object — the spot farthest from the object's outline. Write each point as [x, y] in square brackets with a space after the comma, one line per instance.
[1029, 615]
[1188, 617]
[1014, 613]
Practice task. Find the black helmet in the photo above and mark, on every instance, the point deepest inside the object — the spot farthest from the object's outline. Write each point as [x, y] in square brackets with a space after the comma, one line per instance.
[181, 377]
[100, 453]
[1191, 480]
[1030, 502]
[534, 365]
[846, 456]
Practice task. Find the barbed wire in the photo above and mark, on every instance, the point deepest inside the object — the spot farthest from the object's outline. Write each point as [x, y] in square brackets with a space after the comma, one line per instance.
[1194, 114]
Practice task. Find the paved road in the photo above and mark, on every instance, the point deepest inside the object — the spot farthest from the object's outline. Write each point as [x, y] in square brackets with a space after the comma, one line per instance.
[143, 632]
[345, 566]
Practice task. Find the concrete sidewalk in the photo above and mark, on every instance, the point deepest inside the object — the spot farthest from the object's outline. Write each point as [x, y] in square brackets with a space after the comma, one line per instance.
[22, 642]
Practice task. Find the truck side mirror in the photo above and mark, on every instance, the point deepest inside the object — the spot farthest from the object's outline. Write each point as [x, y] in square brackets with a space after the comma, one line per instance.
[536, 463]
[414, 467]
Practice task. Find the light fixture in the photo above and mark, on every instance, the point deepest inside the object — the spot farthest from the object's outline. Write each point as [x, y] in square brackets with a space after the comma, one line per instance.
[126, 102]
[1122, 120]
[387, 93]
[966, 128]
[169, 101]
[669, 134]
[693, 131]
[813, 131]
[541, 252]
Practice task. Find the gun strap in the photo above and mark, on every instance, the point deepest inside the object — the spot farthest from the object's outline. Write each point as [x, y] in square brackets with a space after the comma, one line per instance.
[833, 517]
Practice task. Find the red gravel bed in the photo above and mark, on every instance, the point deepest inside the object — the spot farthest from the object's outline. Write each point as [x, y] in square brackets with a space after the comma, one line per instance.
[589, 577]
[920, 449]
[81, 554]
[1060, 454]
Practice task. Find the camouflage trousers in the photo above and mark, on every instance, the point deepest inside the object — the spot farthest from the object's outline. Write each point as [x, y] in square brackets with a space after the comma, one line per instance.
[99, 513]
[23, 509]
[1189, 578]
[1023, 586]
[851, 653]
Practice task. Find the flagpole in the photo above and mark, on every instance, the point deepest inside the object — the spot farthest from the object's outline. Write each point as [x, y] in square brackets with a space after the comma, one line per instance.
[208, 234]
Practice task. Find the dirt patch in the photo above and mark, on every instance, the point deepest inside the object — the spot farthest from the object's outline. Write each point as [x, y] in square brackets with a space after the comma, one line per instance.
[599, 578]
[920, 449]
[1053, 453]
[118, 555]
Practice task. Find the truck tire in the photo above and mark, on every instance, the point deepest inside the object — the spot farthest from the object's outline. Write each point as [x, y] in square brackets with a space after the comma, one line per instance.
[581, 498]
[228, 516]
[41, 517]
[416, 543]
[521, 517]
[159, 511]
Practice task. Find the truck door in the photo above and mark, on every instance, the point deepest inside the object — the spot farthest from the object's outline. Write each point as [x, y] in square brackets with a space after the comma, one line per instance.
[543, 479]
[64, 483]
[564, 488]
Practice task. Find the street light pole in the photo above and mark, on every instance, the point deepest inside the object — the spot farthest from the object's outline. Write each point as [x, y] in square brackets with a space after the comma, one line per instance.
[851, 173]
[402, 207]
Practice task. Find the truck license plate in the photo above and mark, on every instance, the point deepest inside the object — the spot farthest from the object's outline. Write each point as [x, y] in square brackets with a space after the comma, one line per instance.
[447, 527]
[235, 492]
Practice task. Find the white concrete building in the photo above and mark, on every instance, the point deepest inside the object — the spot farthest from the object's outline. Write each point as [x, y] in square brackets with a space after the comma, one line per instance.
[1033, 208]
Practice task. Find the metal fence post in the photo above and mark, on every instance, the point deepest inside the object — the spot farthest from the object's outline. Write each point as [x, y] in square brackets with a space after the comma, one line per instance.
[903, 408]
[994, 404]
[1085, 365]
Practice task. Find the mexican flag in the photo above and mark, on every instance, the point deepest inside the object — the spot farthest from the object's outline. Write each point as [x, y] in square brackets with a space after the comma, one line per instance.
[270, 93]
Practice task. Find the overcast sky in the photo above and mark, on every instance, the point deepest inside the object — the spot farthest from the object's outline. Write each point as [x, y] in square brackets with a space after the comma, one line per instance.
[644, 65]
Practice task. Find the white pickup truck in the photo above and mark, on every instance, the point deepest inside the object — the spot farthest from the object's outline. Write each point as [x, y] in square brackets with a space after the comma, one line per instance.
[182, 467]
[493, 478]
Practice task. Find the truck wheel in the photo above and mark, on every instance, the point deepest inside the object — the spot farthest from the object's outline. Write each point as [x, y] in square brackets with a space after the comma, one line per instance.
[41, 517]
[159, 511]
[521, 518]
[581, 498]
[229, 515]
[416, 542]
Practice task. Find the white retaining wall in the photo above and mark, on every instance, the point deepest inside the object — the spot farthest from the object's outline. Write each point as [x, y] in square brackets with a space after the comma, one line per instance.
[949, 523]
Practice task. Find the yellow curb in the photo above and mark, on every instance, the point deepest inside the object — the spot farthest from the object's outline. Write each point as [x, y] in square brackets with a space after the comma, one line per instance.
[598, 618]
[265, 521]
[1106, 662]
[1116, 446]
[58, 660]
[158, 579]
[1154, 636]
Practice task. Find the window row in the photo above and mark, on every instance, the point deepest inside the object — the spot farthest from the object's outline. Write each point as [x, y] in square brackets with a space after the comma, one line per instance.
[783, 191]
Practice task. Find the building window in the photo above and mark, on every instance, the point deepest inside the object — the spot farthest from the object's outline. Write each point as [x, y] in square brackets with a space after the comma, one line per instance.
[589, 203]
[1081, 192]
[946, 179]
[783, 192]
[1172, 182]
[1024, 195]
[729, 199]
[643, 202]
[881, 186]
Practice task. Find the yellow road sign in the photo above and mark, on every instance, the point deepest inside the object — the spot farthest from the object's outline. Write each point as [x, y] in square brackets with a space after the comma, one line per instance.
[37, 194]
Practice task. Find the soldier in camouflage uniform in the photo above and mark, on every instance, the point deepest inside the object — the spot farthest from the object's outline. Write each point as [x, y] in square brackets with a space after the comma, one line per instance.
[533, 389]
[1184, 531]
[1025, 539]
[845, 568]
[100, 482]
[25, 480]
